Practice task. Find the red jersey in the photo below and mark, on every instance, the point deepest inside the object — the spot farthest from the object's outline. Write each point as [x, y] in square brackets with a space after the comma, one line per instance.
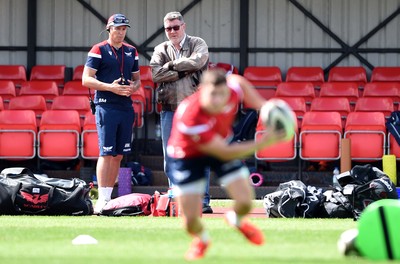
[193, 126]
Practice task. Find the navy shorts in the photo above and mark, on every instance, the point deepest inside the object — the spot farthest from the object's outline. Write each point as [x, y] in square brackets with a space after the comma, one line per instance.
[192, 169]
[114, 128]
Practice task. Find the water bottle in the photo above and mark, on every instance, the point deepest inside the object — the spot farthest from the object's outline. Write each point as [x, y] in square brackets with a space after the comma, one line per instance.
[335, 182]
[158, 131]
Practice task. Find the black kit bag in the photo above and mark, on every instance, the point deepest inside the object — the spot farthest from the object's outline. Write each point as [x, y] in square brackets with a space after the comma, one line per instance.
[293, 199]
[22, 192]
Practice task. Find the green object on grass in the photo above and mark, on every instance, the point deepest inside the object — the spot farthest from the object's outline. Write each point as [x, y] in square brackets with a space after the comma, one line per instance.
[379, 231]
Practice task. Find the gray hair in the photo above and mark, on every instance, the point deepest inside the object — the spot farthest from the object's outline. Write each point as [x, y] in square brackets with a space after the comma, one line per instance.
[173, 15]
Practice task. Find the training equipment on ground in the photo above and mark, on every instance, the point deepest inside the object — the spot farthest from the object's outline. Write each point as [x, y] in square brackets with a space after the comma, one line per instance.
[277, 113]
[378, 231]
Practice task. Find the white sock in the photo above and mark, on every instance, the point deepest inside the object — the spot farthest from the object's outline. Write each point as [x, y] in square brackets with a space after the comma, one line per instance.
[105, 193]
[233, 218]
[204, 236]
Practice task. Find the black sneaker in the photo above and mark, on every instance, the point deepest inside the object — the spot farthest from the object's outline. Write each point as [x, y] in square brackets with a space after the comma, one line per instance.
[207, 209]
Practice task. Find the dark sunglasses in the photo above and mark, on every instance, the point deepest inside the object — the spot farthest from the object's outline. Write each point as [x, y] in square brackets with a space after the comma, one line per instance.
[119, 20]
[175, 28]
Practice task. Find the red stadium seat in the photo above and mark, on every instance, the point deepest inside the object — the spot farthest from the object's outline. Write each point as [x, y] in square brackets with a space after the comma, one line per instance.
[54, 73]
[332, 104]
[18, 130]
[229, 68]
[298, 105]
[149, 86]
[14, 73]
[385, 74]
[139, 104]
[37, 103]
[375, 104]
[341, 89]
[59, 134]
[315, 75]
[383, 89]
[77, 74]
[75, 88]
[79, 103]
[7, 91]
[296, 89]
[264, 77]
[367, 134]
[320, 136]
[48, 89]
[89, 138]
[283, 151]
[348, 74]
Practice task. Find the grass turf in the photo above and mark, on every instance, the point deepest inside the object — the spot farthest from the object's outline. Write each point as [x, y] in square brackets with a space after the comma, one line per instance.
[45, 239]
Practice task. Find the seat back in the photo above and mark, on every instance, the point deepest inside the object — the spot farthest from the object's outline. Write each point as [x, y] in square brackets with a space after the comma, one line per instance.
[315, 75]
[139, 104]
[18, 129]
[54, 73]
[332, 104]
[48, 89]
[229, 68]
[341, 89]
[264, 77]
[89, 138]
[148, 85]
[75, 88]
[77, 74]
[71, 102]
[37, 103]
[282, 151]
[298, 105]
[375, 104]
[385, 74]
[367, 134]
[59, 134]
[318, 127]
[383, 89]
[356, 74]
[296, 89]
[7, 91]
[79, 103]
[14, 73]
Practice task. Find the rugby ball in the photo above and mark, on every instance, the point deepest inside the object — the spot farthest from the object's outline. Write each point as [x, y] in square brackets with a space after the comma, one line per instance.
[277, 114]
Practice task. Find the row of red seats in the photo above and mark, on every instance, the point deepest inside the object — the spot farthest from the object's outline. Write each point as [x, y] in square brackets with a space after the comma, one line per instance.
[80, 103]
[320, 138]
[272, 75]
[58, 136]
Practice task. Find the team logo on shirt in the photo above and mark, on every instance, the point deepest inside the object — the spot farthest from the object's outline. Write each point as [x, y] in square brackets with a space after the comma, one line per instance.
[128, 54]
[110, 52]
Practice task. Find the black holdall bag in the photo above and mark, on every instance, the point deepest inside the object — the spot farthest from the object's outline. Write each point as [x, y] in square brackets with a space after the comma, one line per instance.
[22, 192]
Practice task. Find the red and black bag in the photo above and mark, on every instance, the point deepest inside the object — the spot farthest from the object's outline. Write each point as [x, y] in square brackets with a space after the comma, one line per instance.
[22, 192]
[133, 204]
[163, 204]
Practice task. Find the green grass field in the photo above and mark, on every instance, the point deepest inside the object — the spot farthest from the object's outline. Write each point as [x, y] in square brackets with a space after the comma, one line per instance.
[41, 239]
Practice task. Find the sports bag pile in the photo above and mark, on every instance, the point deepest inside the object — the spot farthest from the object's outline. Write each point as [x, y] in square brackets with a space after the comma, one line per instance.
[356, 189]
[22, 192]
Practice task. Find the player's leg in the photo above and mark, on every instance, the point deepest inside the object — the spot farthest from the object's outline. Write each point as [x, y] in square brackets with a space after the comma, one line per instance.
[238, 188]
[107, 167]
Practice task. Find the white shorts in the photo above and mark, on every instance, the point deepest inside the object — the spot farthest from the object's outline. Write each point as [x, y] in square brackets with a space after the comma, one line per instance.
[198, 187]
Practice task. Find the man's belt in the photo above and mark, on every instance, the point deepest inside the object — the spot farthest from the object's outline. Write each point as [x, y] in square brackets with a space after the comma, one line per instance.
[169, 107]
